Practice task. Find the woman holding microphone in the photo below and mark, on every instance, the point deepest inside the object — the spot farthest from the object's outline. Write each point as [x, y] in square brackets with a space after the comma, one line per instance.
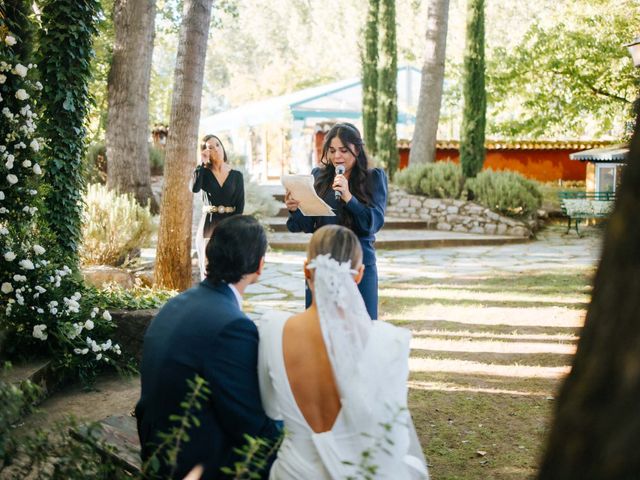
[358, 196]
[222, 193]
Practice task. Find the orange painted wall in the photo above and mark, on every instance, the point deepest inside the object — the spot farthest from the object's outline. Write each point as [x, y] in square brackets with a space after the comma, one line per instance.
[538, 164]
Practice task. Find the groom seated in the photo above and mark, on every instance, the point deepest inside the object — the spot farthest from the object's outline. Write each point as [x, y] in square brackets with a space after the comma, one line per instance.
[203, 332]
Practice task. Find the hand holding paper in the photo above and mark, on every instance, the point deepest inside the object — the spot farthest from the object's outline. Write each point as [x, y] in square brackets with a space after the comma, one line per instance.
[301, 189]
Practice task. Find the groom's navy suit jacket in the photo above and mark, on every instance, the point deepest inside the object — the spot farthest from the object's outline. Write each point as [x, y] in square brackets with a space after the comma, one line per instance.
[202, 331]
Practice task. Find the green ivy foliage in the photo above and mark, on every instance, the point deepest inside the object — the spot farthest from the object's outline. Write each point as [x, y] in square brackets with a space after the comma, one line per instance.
[64, 54]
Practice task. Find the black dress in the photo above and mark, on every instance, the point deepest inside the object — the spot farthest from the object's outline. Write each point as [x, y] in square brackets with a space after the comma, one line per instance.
[219, 202]
[229, 195]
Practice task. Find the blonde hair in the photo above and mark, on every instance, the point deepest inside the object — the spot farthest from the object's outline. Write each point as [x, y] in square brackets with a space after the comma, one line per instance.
[337, 241]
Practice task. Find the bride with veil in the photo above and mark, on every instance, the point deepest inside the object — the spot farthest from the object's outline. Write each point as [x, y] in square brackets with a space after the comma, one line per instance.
[337, 379]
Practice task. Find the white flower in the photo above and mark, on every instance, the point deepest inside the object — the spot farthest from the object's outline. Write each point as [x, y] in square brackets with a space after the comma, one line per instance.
[12, 179]
[39, 332]
[37, 170]
[26, 264]
[84, 351]
[9, 256]
[89, 325]
[38, 249]
[10, 40]
[4, 231]
[22, 94]
[106, 345]
[35, 146]
[4, 210]
[1, 195]
[40, 311]
[3, 78]
[19, 278]
[40, 289]
[6, 287]
[99, 356]
[107, 316]
[21, 70]
[26, 163]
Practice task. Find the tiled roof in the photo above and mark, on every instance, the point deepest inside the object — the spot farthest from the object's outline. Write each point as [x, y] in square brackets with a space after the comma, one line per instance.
[521, 144]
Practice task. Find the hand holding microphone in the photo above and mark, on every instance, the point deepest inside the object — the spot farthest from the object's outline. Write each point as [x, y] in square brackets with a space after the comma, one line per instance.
[338, 182]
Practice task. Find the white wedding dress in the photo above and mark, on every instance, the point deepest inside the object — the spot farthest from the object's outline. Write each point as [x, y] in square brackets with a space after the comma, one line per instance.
[370, 364]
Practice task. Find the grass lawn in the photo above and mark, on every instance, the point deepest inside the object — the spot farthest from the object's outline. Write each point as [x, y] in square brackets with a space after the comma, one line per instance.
[488, 355]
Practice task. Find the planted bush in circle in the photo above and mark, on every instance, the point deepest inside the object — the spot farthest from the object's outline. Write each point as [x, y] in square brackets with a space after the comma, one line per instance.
[434, 180]
[506, 192]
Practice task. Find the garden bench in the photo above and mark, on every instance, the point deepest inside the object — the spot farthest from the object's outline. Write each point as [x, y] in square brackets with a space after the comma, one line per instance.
[116, 439]
[585, 205]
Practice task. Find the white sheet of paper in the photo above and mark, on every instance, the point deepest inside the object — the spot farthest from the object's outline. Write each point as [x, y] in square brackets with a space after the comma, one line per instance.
[301, 188]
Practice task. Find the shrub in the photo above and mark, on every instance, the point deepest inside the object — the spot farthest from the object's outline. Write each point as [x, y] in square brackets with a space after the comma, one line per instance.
[435, 180]
[94, 163]
[156, 160]
[506, 192]
[114, 227]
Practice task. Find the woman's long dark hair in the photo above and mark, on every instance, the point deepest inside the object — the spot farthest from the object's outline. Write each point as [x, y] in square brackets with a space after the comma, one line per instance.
[359, 178]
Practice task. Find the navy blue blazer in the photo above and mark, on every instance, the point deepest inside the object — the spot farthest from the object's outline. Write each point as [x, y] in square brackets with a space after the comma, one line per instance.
[202, 331]
[368, 219]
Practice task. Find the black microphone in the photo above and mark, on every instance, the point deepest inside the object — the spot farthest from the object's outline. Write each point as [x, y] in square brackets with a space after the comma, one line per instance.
[339, 171]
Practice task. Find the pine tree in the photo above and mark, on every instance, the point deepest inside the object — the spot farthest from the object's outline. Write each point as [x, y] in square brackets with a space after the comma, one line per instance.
[369, 60]
[472, 151]
[387, 119]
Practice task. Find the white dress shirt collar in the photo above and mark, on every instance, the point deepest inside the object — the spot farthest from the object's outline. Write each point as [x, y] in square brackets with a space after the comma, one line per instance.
[236, 294]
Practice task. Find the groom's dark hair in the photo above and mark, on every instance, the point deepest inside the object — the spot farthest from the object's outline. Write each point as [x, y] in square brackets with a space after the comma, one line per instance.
[237, 246]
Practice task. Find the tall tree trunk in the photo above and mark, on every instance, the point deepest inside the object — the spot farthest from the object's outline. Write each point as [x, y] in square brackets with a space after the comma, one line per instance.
[128, 91]
[369, 60]
[423, 144]
[472, 151]
[596, 430]
[173, 254]
[387, 120]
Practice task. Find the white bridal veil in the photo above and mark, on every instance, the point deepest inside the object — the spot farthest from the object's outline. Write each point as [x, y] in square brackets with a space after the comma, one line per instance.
[370, 364]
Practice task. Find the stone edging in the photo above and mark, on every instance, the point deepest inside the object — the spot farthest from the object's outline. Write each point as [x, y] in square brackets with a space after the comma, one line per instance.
[454, 215]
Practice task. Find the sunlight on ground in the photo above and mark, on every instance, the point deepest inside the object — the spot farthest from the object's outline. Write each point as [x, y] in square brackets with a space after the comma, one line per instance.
[431, 293]
[491, 346]
[477, 368]
[481, 315]
[452, 387]
[496, 336]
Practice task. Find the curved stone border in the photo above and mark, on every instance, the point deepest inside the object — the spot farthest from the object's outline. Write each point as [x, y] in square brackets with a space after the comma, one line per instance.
[454, 215]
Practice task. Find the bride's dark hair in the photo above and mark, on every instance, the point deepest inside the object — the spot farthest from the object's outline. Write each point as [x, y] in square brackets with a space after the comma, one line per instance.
[359, 179]
[337, 241]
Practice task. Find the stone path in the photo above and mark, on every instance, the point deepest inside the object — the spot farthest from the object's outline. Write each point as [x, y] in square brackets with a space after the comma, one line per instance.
[282, 283]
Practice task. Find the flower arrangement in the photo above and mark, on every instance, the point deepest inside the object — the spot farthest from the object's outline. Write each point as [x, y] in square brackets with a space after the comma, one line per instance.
[42, 309]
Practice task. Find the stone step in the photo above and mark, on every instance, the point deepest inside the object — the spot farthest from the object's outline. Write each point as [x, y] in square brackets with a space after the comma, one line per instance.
[401, 239]
[279, 224]
[38, 372]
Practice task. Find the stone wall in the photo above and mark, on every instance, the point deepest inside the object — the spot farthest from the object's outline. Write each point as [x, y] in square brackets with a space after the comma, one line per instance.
[454, 215]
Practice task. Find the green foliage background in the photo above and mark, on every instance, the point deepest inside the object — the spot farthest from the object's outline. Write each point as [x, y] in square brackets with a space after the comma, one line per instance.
[64, 55]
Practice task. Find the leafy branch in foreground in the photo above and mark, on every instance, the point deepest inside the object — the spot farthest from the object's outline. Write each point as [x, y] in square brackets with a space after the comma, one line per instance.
[255, 455]
[173, 440]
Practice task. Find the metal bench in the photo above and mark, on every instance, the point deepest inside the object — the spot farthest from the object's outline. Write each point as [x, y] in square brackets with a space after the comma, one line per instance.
[585, 205]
